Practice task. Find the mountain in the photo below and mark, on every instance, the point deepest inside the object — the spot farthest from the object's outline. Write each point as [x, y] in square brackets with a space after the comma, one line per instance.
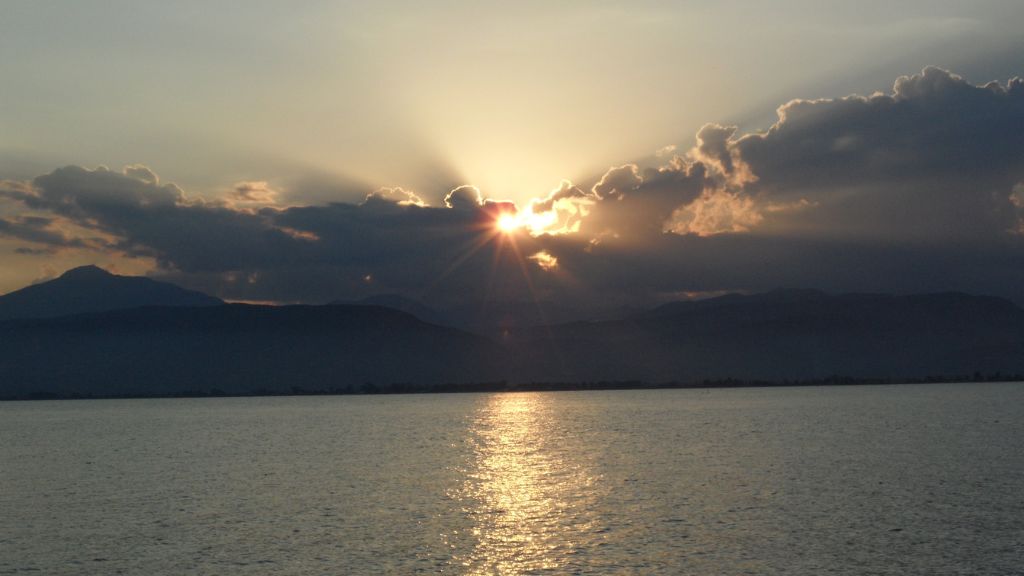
[400, 303]
[795, 334]
[489, 318]
[243, 349]
[91, 289]
[236, 348]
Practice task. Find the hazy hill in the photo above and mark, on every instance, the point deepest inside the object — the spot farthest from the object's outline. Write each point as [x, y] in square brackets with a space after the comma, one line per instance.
[92, 289]
[400, 303]
[783, 335]
[235, 348]
[490, 318]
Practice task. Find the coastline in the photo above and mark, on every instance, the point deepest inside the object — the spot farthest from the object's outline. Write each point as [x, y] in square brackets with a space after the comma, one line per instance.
[370, 389]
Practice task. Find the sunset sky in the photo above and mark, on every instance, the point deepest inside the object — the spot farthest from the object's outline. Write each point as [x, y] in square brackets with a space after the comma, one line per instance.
[600, 153]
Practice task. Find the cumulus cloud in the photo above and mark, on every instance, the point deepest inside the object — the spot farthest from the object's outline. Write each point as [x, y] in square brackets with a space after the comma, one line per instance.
[715, 148]
[463, 198]
[918, 189]
[635, 204]
[888, 191]
[935, 158]
[396, 195]
[562, 210]
[618, 181]
[140, 172]
[566, 191]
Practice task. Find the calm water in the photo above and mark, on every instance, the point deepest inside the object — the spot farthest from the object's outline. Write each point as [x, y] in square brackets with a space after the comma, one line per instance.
[855, 480]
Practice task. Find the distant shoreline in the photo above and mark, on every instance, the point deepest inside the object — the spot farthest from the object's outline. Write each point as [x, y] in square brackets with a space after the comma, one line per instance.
[371, 389]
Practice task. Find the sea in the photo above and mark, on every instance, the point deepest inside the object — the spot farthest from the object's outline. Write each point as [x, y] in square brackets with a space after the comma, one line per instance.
[895, 479]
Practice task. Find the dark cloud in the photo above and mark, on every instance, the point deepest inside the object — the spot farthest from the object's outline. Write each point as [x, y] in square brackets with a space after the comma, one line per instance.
[150, 219]
[635, 204]
[34, 251]
[938, 157]
[919, 189]
[312, 253]
[44, 231]
[463, 198]
[713, 146]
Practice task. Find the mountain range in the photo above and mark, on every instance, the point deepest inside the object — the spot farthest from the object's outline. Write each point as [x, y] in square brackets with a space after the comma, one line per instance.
[786, 335]
[91, 333]
[92, 289]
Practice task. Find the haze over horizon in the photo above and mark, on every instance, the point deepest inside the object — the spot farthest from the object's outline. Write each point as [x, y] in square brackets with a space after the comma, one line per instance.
[589, 153]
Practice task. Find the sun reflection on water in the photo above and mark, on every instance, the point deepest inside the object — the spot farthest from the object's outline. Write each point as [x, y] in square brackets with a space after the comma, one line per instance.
[524, 492]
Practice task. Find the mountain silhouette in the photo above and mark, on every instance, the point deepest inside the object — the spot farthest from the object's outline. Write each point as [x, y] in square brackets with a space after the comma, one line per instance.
[402, 304]
[182, 348]
[490, 318]
[92, 289]
[790, 334]
[237, 349]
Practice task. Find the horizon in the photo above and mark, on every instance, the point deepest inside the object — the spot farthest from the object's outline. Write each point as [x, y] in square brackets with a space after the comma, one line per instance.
[683, 298]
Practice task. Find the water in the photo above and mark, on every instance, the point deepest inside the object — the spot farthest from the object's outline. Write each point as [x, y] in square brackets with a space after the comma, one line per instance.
[851, 480]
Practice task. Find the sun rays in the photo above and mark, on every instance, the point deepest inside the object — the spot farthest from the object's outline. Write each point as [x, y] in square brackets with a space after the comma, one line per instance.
[507, 223]
[500, 230]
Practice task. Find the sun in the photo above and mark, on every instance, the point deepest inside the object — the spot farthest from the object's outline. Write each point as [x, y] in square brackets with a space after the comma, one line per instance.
[507, 223]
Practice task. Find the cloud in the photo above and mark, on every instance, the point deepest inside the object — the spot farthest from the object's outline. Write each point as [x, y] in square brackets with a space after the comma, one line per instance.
[562, 211]
[255, 192]
[396, 195]
[566, 191]
[618, 181]
[635, 205]
[716, 212]
[296, 253]
[715, 149]
[545, 260]
[918, 189]
[937, 157]
[156, 220]
[463, 198]
[43, 231]
[140, 172]
[33, 251]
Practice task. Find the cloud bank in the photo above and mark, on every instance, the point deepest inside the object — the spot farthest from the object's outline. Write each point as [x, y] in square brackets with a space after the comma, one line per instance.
[919, 189]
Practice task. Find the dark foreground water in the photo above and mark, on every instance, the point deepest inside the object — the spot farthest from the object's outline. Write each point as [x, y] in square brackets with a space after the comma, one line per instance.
[853, 480]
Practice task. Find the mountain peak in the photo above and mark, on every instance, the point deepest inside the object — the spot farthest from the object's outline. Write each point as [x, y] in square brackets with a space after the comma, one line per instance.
[92, 289]
[402, 304]
[88, 271]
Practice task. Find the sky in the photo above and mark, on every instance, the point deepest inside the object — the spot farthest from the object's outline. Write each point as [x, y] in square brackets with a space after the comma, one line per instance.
[594, 153]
